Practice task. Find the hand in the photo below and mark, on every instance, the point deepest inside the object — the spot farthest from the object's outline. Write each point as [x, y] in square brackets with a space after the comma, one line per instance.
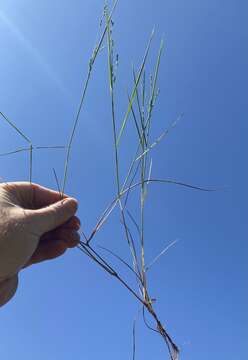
[35, 225]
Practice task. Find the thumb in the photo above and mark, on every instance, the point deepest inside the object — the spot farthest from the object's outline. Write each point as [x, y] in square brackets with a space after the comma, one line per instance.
[54, 215]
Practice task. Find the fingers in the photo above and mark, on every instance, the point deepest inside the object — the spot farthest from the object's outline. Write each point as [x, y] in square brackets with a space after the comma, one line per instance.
[33, 194]
[43, 196]
[47, 252]
[73, 223]
[44, 207]
[52, 216]
[54, 244]
[70, 237]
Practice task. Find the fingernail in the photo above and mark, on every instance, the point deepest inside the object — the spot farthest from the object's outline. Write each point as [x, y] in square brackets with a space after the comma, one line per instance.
[72, 201]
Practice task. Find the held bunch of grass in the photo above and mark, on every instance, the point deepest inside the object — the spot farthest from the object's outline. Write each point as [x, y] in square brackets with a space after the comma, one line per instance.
[138, 175]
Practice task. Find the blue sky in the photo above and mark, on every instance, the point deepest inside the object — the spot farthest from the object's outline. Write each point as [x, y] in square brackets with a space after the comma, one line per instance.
[69, 308]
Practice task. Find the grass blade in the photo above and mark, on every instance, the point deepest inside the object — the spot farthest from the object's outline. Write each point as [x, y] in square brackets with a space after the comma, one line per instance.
[135, 88]
[50, 147]
[134, 339]
[160, 138]
[120, 259]
[16, 128]
[15, 151]
[84, 91]
[167, 181]
[160, 254]
[30, 163]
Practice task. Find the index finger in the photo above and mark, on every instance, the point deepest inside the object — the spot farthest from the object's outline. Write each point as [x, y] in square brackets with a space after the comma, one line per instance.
[34, 195]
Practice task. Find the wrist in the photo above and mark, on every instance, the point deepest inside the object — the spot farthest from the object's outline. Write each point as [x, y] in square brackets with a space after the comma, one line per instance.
[8, 288]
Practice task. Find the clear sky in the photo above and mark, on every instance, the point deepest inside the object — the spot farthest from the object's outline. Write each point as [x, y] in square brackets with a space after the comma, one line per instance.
[69, 308]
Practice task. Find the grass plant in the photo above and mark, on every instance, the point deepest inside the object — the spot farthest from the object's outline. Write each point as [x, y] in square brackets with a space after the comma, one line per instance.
[140, 106]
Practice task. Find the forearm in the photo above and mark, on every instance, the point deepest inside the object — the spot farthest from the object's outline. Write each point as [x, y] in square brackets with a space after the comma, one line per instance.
[7, 289]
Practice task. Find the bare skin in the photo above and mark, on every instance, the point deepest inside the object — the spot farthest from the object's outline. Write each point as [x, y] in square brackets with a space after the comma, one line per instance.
[35, 225]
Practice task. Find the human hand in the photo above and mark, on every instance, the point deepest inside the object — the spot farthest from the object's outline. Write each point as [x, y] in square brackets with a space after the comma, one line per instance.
[35, 225]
